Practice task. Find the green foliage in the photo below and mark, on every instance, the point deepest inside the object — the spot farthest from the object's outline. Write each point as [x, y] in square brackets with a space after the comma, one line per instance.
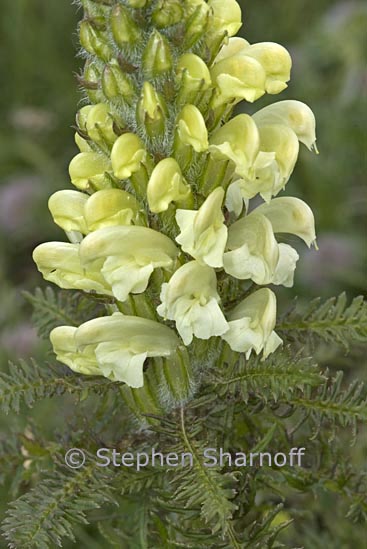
[53, 308]
[50, 511]
[332, 321]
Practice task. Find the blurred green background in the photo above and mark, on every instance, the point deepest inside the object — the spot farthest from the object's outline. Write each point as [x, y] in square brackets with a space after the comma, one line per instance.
[39, 97]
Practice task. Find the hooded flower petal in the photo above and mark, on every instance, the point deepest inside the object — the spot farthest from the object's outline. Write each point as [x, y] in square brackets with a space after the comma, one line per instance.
[290, 215]
[295, 115]
[253, 251]
[227, 16]
[276, 62]
[120, 344]
[127, 256]
[63, 341]
[191, 299]
[251, 324]
[238, 77]
[127, 155]
[110, 207]
[166, 185]
[203, 233]
[238, 141]
[67, 210]
[88, 170]
[191, 128]
[59, 263]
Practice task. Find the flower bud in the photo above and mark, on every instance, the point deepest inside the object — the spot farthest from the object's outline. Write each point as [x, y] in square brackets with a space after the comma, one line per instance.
[239, 141]
[227, 16]
[88, 170]
[124, 29]
[203, 233]
[120, 345]
[193, 77]
[196, 23]
[59, 263]
[191, 299]
[128, 153]
[99, 124]
[82, 144]
[67, 210]
[157, 57]
[238, 77]
[191, 129]
[294, 114]
[167, 13]
[290, 215]
[127, 256]
[151, 111]
[82, 116]
[116, 83]
[137, 3]
[251, 325]
[93, 40]
[166, 185]
[110, 207]
[91, 81]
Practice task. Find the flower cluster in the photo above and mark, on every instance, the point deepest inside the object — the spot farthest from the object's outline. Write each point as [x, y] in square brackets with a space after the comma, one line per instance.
[164, 180]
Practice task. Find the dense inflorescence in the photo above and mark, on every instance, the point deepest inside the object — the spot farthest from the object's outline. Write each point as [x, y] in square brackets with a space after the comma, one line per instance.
[162, 220]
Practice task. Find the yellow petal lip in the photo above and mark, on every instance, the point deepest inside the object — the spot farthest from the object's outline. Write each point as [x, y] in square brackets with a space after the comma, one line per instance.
[86, 167]
[166, 185]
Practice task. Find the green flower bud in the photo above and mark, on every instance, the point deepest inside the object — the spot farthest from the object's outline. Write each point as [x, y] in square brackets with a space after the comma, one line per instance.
[116, 83]
[193, 77]
[166, 185]
[124, 29]
[151, 111]
[110, 207]
[88, 171]
[227, 16]
[137, 3]
[191, 129]
[82, 144]
[167, 13]
[157, 57]
[91, 81]
[99, 123]
[94, 41]
[196, 24]
[127, 155]
[67, 210]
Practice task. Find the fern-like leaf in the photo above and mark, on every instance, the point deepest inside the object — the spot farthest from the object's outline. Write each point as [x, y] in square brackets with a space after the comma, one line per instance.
[53, 308]
[47, 514]
[27, 383]
[331, 321]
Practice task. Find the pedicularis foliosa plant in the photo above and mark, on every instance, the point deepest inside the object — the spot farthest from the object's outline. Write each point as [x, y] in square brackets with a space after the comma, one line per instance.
[165, 330]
